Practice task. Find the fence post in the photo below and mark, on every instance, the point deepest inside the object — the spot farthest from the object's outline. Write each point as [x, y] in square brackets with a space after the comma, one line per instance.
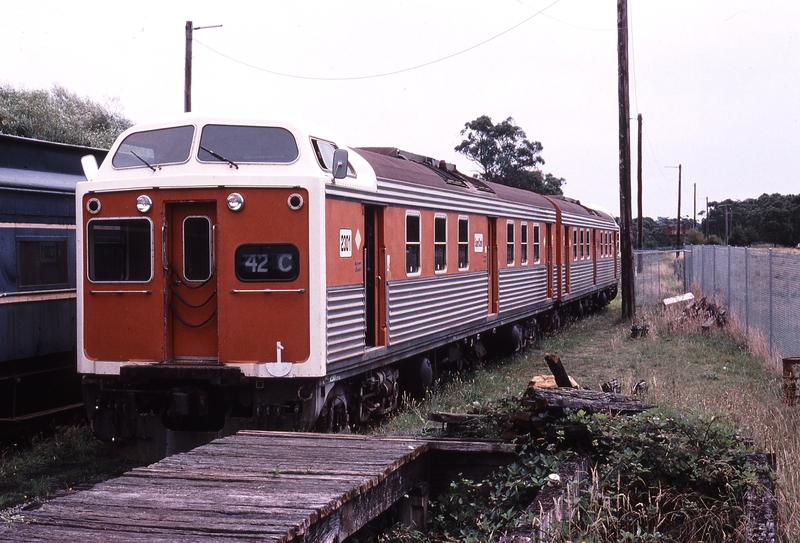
[770, 305]
[747, 294]
[728, 293]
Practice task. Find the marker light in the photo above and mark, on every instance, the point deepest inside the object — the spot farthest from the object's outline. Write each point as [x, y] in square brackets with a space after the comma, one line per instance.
[235, 201]
[295, 201]
[144, 203]
[93, 206]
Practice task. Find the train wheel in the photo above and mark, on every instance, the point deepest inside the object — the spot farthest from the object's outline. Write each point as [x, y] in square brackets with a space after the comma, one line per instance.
[417, 377]
[514, 342]
[579, 310]
[334, 417]
[555, 321]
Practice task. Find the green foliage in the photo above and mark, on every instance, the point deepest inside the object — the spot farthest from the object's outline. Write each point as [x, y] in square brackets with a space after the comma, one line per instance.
[506, 156]
[59, 115]
[770, 218]
[663, 476]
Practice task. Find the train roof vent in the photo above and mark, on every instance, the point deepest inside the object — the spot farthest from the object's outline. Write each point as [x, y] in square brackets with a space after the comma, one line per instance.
[480, 185]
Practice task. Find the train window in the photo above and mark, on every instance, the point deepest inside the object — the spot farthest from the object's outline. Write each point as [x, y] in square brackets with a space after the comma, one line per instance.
[440, 243]
[324, 153]
[582, 244]
[42, 262]
[232, 144]
[413, 229]
[267, 262]
[510, 243]
[574, 244]
[155, 147]
[536, 245]
[120, 250]
[197, 248]
[523, 243]
[463, 243]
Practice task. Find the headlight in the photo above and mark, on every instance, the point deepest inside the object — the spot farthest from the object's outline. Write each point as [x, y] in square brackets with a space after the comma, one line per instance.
[235, 201]
[144, 203]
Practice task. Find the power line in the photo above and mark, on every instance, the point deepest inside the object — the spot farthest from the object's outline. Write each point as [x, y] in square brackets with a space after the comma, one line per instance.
[384, 74]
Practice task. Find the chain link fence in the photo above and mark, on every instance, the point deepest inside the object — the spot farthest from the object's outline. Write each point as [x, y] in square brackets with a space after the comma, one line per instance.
[657, 275]
[760, 288]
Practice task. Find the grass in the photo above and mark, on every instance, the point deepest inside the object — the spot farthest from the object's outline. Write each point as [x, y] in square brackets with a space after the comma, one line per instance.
[704, 375]
[715, 374]
[62, 460]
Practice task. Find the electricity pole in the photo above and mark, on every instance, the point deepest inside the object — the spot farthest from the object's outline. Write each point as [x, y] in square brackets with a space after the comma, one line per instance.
[678, 237]
[626, 239]
[187, 79]
[639, 234]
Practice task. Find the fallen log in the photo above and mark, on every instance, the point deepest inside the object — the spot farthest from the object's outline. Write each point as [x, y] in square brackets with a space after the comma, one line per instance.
[591, 401]
[557, 369]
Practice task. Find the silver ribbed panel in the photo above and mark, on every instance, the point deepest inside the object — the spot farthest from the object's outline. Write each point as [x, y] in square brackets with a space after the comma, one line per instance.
[522, 287]
[346, 322]
[605, 271]
[422, 307]
[581, 277]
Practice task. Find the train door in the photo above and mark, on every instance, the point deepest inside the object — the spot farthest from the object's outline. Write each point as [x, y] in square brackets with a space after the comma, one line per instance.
[191, 282]
[374, 272]
[548, 255]
[492, 262]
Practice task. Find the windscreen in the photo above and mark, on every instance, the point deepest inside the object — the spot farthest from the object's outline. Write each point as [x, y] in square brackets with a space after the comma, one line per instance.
[155, 147]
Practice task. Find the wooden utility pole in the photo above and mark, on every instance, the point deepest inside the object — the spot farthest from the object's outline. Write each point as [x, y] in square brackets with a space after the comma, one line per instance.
[187, 79]
[677, 252]
[626, 239]
[694, 218]
[639, 234]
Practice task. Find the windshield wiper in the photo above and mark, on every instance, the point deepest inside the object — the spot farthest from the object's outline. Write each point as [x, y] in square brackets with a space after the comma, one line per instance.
[220, 157]
[144, 161]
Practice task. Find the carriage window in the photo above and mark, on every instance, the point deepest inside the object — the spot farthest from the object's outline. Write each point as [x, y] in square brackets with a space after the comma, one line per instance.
[42, 262]
[197, 248]
[536, 244]
[154, 147]
[582, 244]
[246, 144]
[574, 244]
[412, 243]
[440, 243]
[267, 262]
[324, 152]
[523, 243]
[463, 243]
[510, 243]
[120, 250]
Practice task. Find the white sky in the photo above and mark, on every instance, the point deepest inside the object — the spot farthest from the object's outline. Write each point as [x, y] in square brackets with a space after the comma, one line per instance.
[717, 81]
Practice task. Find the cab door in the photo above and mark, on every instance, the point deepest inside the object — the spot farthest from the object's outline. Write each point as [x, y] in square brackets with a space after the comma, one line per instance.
[191, 282]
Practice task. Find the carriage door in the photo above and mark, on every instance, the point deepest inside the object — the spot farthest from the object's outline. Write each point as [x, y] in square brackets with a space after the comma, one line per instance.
[191, 282]
[493, 264]
[374, 272]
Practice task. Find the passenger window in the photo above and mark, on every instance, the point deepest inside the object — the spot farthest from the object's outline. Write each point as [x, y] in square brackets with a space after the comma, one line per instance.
[42, 262]
[536, 245]
[463, 243]
[510, 243]
[440, 243]
[120, 250]
[413, 242]
[523, 243]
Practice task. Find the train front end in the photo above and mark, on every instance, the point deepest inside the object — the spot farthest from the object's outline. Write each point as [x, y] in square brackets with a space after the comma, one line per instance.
[201, 284]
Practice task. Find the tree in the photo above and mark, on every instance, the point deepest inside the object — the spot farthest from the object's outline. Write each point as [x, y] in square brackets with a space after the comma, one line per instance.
[59, 115]
[506, 156]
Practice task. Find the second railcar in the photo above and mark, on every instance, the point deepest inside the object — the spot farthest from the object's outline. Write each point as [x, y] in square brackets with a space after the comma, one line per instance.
[238, 274]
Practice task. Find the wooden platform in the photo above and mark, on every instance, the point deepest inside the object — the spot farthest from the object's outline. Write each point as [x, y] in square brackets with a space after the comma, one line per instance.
[254, 486]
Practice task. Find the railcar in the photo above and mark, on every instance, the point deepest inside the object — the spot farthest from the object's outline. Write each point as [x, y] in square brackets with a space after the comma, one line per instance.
[238, 274]
[37, 277]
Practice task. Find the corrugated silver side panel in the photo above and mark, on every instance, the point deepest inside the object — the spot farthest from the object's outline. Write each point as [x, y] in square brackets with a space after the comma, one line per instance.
[581, 277]
[522, 286]
[605, 271]
[420, 307]
[345, 322]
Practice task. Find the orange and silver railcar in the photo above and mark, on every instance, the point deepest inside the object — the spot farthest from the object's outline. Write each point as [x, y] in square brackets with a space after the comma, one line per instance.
[237, 274]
